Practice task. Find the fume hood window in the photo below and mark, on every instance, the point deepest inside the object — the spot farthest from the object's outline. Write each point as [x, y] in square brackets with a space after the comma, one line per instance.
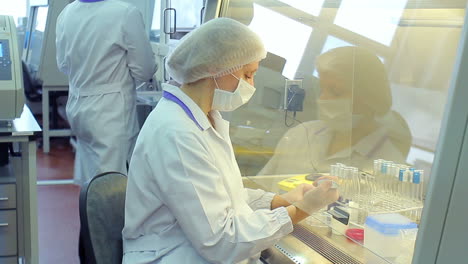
[310, 7]
[156, 23]
[374, 19]
[41, 18]
[188, 13]
[282, 36]
[331, 43]
[37, 36]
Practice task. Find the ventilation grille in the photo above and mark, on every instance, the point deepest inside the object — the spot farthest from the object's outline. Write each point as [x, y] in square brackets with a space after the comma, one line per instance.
[323, 247]
[287, 254]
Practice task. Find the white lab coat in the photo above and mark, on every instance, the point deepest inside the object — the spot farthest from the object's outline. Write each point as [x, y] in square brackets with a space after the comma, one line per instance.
[304, 149]
[103, 48]
[185, 198]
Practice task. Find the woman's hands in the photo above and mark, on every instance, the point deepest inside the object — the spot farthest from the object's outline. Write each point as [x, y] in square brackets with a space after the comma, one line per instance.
[306, 199]
[297, 194]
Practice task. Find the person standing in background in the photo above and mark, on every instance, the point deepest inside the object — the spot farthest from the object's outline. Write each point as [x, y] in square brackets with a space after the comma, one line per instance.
[103, 47]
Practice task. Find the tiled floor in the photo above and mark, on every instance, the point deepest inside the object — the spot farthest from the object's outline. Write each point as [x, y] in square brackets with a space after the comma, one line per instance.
[57, 206]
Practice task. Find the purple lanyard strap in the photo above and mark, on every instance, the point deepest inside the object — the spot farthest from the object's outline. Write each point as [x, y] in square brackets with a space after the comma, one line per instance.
[176, 100]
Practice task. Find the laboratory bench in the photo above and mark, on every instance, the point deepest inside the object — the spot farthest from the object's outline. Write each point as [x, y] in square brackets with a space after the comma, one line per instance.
[18, 192]
[314, 240]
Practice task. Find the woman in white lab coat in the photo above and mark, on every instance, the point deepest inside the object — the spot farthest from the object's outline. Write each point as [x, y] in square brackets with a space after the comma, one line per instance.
[103, 48]
[185, 198]
[356, 124]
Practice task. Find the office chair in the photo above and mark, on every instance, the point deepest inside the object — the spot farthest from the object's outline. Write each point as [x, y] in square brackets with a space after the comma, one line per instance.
[102, 206]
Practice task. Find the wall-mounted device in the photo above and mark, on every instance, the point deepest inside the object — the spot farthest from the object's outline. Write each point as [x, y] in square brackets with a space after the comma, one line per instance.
[294, 95]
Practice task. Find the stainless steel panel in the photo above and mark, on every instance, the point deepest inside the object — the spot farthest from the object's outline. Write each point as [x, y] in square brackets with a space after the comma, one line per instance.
[7, 196]
[8, 260]
[8, 235]
[297, 252]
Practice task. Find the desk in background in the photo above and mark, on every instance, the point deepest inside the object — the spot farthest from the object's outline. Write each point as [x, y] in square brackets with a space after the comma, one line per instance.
[18, 193]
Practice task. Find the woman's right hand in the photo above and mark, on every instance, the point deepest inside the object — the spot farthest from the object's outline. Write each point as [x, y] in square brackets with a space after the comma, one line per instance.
[318, 197]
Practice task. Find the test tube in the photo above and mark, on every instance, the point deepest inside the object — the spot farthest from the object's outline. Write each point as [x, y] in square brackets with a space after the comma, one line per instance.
[396, 176]
[334, 170]
[378, 175]
[415, 185]
[383, 176]
[391, 177]
[408, 182]
[421, 192]
[401, 181]
[377, 166]
[356, 183]
[418, 184]
[351, 184]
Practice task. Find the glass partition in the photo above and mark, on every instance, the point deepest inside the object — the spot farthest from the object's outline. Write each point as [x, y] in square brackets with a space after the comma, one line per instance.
[353, 88]
[172, 19]
[39, 17]
[155, 32]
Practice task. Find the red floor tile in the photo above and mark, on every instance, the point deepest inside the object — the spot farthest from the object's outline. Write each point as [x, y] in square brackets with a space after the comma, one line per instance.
[58, 224]
[58, 163]
[58, 214]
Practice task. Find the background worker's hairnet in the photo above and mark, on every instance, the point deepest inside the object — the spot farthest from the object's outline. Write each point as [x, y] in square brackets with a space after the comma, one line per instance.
[217, 48]
[363, 72]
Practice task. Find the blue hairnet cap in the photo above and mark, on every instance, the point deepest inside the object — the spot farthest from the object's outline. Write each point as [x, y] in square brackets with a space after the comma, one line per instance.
[217, 48]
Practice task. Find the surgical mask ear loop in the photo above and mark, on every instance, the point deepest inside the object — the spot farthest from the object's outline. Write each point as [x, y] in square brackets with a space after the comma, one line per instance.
[217, 86]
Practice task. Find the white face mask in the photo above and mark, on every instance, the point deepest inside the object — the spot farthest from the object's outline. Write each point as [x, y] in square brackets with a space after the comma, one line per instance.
[337, 114]
[229, 101]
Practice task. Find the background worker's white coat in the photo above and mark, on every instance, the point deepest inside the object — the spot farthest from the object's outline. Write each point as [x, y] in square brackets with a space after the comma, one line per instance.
[185, 200]
[103, 48]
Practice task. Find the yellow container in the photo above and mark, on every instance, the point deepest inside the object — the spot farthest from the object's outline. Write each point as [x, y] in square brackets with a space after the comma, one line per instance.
[291, 183]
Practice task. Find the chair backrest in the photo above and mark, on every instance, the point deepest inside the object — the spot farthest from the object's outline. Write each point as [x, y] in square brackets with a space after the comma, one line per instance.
[102, 206]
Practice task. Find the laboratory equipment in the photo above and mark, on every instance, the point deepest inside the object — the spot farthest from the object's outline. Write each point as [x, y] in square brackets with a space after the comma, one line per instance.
[11, 78]
[380, 193]
[384, 234]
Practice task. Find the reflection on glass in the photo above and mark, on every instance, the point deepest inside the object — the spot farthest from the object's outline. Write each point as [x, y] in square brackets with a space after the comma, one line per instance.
[188, 13]
[331, 43]
[156, 23]
[37, 37]
[41, 18]
[356, 124]
[282, 36]
[375, 19]
[311, 7]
